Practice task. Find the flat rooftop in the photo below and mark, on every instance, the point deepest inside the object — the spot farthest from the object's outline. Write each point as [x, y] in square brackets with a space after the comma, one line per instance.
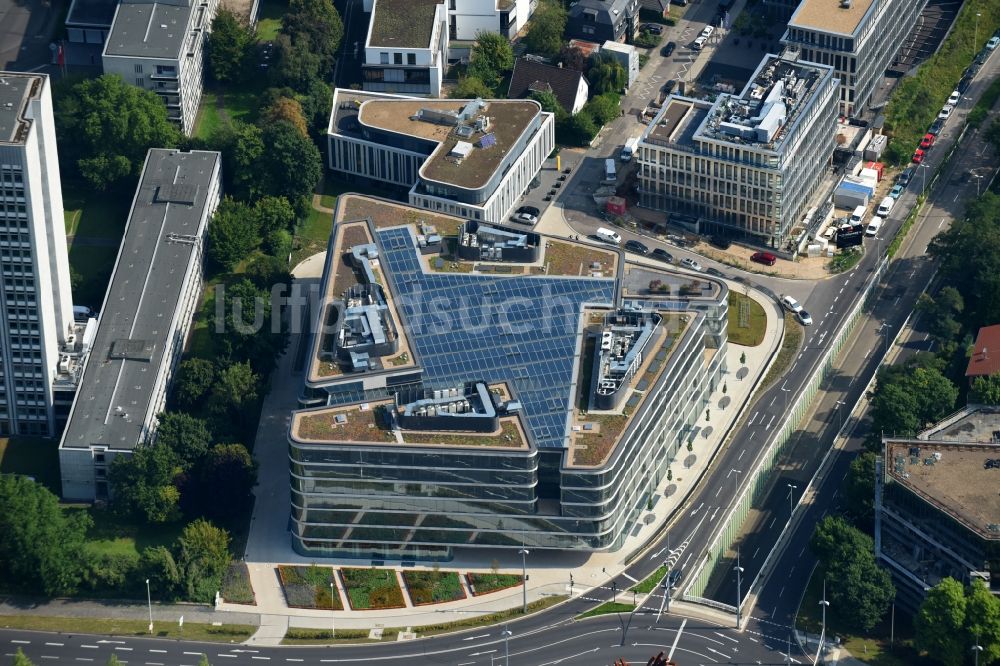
[95, 13]
[149, 30]
[403, 24]
[960, 482]
[16, 90]
[677, 121]
[829, 16]
[509, 120]
[162, 238]
[975, 423]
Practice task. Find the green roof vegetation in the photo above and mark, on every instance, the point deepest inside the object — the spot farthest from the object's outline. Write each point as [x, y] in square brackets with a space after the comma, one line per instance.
[403, 24]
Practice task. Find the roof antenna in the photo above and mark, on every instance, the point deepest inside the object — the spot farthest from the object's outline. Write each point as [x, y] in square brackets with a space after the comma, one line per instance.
[986, 353]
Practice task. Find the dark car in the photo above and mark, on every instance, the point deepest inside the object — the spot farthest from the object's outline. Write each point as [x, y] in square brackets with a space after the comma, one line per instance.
[935, 127]
[654, 28]
[636, 247]
[668, 50]
[662, 255]
[674, 578]
[904, 176]
[669, 86]
[715, 272]
[964, 84]
[720, 242]
[765, 258]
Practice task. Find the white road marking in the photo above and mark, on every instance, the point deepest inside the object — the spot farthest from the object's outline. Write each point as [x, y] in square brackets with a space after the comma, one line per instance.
[744, 450]
[55, 644]
[233, 656]
[755, 553]
[46, 656]
[773, 520]
[17, 642]
[159, 651]
[625, 575]
[773, 416]
[194, 654]
[751, 435]
[472, 638]
[89, 647]
[781, 591]
[262, 658]
[677, 639]
[728, 638]
[125, 649]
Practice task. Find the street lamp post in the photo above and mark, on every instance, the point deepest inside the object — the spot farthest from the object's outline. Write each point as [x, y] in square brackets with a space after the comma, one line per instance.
[923, 177]
[506, 633]
[840, 403]
[823, 603]
[149, 602]
[739, 591]
[737, 472]
[786, 391]
[885, 338]
[333, 620]
[524, 578]
[978, 179]
[614, 591]
[976, 649]
[975, 39]
[791, 497]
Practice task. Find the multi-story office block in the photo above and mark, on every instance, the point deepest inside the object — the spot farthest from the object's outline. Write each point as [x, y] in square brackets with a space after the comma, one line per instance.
[468, 18]
[159, 46]
[38, 339]
[745, 165]
[88, 23]
[858, 38]
[937, 510]
[406, 50]
[154, 292]
[471, 158]
[541, 406]
[600, 21]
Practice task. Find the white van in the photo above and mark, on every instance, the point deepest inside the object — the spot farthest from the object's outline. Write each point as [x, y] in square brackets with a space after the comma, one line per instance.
[873, 226]
[699, 43]
[609, 236]
[885, 207]
[791, 304]
[858, 216]
[610, 173]
[82, 313]
[628, 151]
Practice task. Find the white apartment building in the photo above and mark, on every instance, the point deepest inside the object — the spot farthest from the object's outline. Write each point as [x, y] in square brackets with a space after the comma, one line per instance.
[154, 292]
[745, 165]
[467, 18]
[36, 306]
[469, 158]
[159, 46]
[406, 49]
[858, 38]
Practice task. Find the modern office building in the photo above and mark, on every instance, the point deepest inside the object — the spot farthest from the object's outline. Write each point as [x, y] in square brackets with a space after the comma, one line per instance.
[88, 23]
[600, 20]
[39, 343]
[858, 38]
[469, 409]
[471, 158]
[467, 18]
[154, 292]
[745, 165]
[159, 46]
[937, 509]
[406, 49]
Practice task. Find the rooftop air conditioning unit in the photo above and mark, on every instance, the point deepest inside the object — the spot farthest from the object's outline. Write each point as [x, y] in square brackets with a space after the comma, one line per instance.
[845, 4]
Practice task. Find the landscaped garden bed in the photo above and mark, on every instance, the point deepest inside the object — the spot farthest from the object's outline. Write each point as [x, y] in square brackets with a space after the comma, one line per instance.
[433, 587]
[236, 587]
[369, 589]
[484, 583]
[309, 587]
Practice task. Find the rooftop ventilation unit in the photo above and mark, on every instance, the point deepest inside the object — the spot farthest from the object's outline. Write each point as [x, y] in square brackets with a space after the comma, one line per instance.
[845, 4]
[439, 116]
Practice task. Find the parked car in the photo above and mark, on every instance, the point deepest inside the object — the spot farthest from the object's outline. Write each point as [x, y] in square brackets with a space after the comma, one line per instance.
[905, 175]
[699, 43]
[765, 258]
[715, 272]
[935, 127]
[636, 247]
[896, 191]
[687, 262]
[964, 84]
[669, 86]
[707, 31]
[918, 156]
[527, 215]
[873, 226]
[993, 43]
[945, 112]
[668, 50]
[927, 141]
[662, 255]
[954, 97]
[654, 28]
[804, 318]
[790, 304]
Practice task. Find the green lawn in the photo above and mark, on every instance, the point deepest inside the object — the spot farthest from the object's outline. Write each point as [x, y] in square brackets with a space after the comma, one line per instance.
[32, 456]
[753, 335]
[226, 633]
[789, 348]
[649, 583]
[114, 536]
[237, 103]
[209, 121]
[607, 607]
[93, 214]
[269, 19]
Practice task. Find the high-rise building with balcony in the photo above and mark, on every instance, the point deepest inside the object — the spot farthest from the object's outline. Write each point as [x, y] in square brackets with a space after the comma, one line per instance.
[159, 46]
[37, 333]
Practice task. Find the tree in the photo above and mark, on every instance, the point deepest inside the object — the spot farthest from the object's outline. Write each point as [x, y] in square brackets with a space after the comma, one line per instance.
[573, 57]
[607, 75]
[604, 108]
[195, 377]
[232, 234]
[986, 390]
[227, 47]
[909, 397]
[235, 391]
[492, 57]
[470, 87]
[251, 332]
[859, 488]
[982, 620]
[142, 484]
[939, 623]
[288, 110]
[550, 104]
[41, 545]
[228, 475]
[267, 271]
[157, 564]
[294, 63]
[577, 130]
[204, 556]
[242, 148]
[316, 104]
[292, 164]
[20, 659]
[314, 25]
[940, 314]
[106, 126]
[188, 437]
[545, 29]
[113, 660]
[274, 214]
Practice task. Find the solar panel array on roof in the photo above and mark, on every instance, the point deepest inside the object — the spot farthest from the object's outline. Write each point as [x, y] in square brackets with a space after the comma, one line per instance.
[181, 193]
[520, 330]
[487, 140]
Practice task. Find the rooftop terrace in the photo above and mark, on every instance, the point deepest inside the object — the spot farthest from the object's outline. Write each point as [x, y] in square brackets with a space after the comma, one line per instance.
[509, 120]
[16, 91]
[830, 15]
[403, 24]
[961, 482]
